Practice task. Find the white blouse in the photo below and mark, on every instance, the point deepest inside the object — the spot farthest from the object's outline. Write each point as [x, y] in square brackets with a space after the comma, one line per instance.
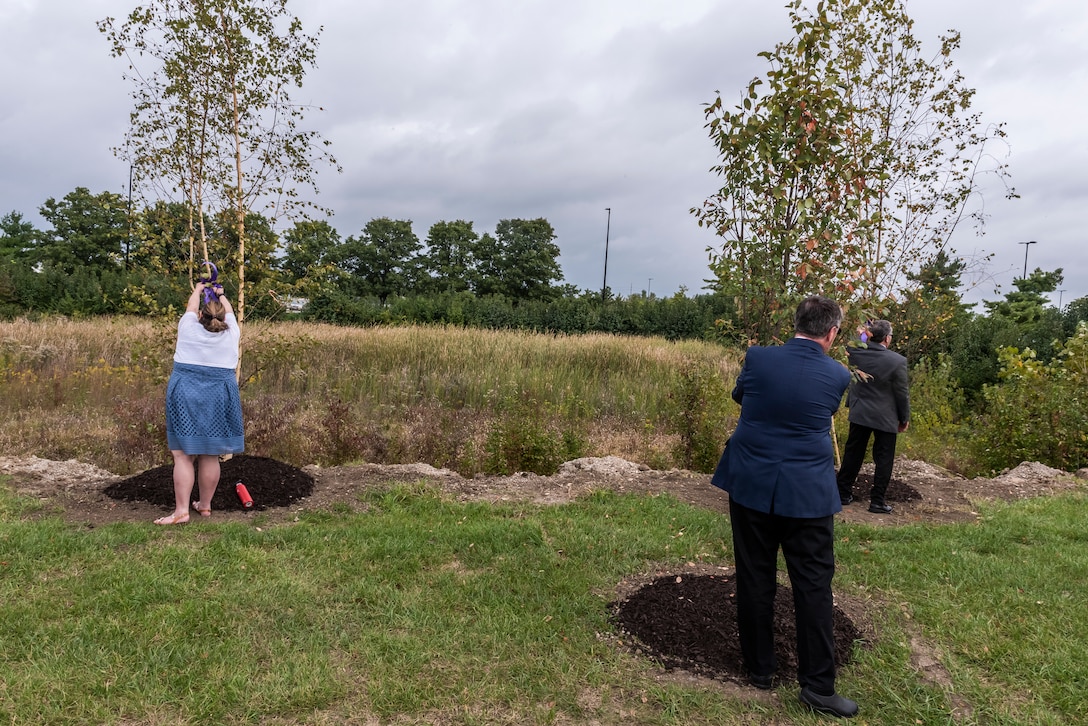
[197, 346]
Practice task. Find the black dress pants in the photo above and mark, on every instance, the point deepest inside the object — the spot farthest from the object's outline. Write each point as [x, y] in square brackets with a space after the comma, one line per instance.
[808, 547]
[853, 456]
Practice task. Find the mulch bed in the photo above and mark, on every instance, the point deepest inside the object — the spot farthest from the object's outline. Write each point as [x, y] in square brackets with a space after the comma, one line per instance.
[689, 622]
[270, 483]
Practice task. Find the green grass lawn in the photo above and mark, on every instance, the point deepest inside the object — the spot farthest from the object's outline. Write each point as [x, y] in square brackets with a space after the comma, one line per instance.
[411, 608]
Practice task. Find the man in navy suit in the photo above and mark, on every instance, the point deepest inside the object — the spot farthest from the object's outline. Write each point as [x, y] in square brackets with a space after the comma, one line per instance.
[779, 470]
[879, 407]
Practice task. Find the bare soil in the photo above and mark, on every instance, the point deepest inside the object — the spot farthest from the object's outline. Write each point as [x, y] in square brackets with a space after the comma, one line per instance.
[684, 620]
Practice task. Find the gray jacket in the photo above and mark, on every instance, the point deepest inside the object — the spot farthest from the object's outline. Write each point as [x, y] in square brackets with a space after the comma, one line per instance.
[883, 402]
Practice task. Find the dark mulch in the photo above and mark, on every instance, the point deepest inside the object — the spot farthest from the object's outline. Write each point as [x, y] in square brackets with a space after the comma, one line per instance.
[270, 483]
[898, 490]
[689, 622]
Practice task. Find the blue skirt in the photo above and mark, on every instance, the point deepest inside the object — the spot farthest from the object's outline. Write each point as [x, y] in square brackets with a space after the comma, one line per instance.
[204, 411]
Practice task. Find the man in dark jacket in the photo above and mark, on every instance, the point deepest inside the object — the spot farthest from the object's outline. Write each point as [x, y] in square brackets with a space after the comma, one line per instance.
[779, 470]
[879, 407]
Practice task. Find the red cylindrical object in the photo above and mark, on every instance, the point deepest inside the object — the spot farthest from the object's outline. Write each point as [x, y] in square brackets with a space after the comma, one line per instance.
[243, 494]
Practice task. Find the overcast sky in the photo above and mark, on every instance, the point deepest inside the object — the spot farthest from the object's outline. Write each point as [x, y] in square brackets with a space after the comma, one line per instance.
[497, 109]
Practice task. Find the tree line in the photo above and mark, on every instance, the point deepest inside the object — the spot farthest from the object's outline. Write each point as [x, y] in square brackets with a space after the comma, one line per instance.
[97, 257]
[99, 232]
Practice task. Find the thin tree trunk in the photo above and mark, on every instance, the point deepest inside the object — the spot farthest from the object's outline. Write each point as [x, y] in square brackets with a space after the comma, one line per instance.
[239, 208]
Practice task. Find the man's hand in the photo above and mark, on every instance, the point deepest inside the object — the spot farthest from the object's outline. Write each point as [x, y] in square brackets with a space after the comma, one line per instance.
[861, 375]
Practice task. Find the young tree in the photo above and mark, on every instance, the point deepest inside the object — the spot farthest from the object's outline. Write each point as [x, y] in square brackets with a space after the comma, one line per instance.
[853, 166]
[790, 189]
[927, 149]
[214, 117]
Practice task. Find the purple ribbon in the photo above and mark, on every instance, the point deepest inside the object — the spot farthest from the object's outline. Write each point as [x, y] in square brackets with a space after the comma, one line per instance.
[209, 283]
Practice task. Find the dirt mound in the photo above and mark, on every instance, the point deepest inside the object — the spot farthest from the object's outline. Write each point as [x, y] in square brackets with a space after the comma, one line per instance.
[919, 492]
[270, 483]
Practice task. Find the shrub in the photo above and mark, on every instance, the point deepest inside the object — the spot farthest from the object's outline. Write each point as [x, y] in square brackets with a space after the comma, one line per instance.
[349, 437]
[141, 433]
[524, 438]
[702, 414]
[443, 437]
[938, 433]
[1038, 410]
[277, 428]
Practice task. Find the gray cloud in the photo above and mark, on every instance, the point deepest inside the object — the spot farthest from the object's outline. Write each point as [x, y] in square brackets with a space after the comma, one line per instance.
[484, 110]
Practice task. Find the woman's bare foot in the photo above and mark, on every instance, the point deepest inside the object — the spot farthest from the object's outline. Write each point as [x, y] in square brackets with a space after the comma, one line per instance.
[174, 518]
[202, 510]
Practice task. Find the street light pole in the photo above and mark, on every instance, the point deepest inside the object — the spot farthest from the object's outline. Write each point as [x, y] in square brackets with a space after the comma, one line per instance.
[607, 229]
[1026, 244]
[128, 215]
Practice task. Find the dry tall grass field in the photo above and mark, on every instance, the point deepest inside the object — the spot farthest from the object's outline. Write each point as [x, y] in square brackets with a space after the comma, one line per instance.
[466, 399]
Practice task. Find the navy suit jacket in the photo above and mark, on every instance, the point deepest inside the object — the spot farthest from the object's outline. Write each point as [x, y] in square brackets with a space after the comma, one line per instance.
[780, 459]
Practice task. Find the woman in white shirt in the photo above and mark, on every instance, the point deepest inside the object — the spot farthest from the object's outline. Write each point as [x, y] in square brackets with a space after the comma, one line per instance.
[203, 405]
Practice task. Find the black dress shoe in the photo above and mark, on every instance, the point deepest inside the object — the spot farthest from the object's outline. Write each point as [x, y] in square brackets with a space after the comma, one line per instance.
[763, 683]
[847, 499]
[833, 705]
[880, 508]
